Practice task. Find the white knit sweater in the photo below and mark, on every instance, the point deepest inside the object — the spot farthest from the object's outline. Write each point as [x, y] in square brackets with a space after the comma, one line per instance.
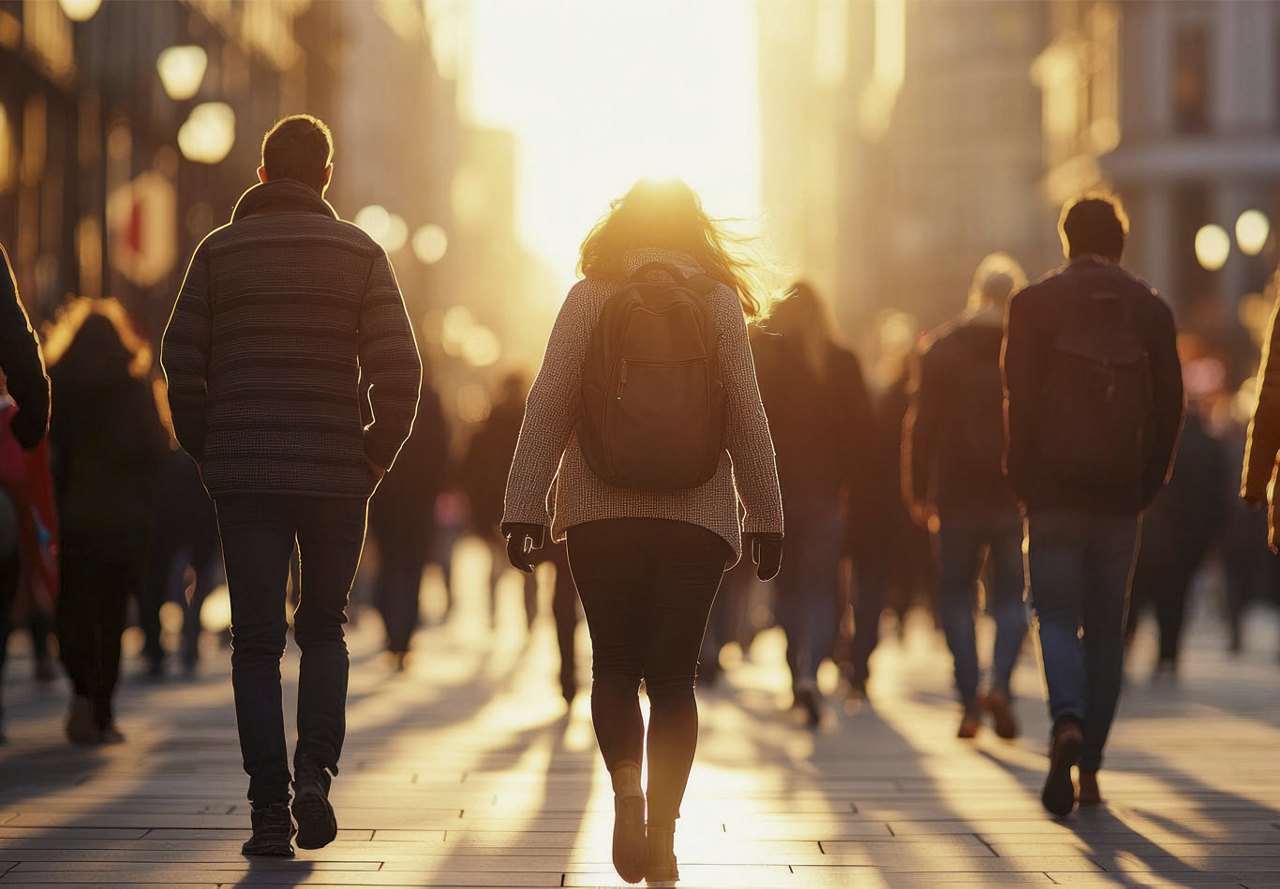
[550, 482]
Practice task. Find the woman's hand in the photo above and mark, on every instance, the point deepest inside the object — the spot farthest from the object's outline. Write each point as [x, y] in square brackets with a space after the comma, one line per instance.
[523, 539]
[766, 553]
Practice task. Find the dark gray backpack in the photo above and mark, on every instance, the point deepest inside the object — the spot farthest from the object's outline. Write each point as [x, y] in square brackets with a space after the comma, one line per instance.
[653, 402]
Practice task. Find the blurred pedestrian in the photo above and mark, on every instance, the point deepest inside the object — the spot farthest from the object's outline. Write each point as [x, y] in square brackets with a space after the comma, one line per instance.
[186, 560]
[282, 313]
[482, 476]
[108, 447]
[402, 518]
[647, 421]
[953, 446]
[1179, 531]
[28, 537]
[820, 417]
[1093, 391]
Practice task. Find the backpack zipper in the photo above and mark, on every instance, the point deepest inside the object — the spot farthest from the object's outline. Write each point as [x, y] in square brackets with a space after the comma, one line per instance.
[622, 380]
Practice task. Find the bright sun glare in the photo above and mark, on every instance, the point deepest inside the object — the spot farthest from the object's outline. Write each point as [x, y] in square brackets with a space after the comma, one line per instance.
[602, 92]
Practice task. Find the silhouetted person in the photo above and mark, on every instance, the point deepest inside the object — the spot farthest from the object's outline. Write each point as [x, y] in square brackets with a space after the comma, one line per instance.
[402, 518]
[820, 417]
[28, 535]
[1181, 528]
[646, 417]
[953, 447]
[286, 317]
[482, 475]
[186, 540]
[108, 447]
[22, 363]
[1093, 390]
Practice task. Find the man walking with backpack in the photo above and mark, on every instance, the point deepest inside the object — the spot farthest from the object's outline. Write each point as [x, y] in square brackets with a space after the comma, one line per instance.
[953, 443]
[285, 317]
[1093, 401]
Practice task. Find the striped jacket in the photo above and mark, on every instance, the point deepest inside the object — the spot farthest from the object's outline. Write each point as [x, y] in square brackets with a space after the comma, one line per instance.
[286, 315]
[550, 482]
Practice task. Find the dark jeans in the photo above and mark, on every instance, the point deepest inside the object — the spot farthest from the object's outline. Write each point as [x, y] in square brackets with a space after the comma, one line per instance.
[1079, 568]
[965, 537]
[10, 573]
[258, 536]
[647, 586]
[100, 570]
[807, 595]
[398, 591]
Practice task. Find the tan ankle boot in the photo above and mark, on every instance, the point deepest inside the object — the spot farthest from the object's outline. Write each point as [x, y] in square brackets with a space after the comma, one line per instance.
[662, 856]
[630, 851]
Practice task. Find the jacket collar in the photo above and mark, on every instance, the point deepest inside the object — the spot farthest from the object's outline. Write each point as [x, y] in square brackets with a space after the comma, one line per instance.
[280, 196]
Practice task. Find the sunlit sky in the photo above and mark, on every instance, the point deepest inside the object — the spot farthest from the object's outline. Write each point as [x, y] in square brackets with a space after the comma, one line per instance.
[602, 92]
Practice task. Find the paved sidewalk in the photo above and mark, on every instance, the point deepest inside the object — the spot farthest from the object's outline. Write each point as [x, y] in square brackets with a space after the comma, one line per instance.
[466, 771]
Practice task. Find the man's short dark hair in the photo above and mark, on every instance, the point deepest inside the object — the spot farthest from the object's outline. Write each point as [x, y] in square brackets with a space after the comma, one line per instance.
[298, 147]
[1094, 224]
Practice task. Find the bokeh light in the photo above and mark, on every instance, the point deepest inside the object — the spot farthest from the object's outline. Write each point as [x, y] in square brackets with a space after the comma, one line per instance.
[430, 243]
[1252, 231]
[80, 10]
[181, 70]
[1213, 246]
[209, 133]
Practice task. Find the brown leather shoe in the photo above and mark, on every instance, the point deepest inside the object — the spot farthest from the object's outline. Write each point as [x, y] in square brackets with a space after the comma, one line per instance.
[81, 727]
[997, 704]
[1059, 794]
[1089, 794]
[970, 722]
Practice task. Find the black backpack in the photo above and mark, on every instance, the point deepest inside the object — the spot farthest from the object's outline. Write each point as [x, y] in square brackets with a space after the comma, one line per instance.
[1098, 410]
[977, 405]
[653, 402]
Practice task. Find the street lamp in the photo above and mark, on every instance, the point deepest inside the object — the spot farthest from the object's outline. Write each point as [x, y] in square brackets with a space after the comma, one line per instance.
[209, 133]
[80, 10]
[1252, 230]
[181, 70]
[1213, 246]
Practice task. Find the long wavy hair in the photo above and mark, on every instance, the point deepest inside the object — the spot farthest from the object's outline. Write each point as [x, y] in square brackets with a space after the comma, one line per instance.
[803, 319]
[97, 331]
[667, 214]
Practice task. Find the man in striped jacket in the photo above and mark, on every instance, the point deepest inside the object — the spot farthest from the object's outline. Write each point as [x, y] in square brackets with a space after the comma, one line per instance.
[293, 381]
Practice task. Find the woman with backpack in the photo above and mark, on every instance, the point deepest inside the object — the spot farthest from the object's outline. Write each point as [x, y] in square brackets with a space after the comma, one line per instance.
[820, 409]
[953, 444]
[646, 416]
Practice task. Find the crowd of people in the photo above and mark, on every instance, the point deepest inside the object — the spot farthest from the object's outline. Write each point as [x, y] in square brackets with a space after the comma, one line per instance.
[693, 432]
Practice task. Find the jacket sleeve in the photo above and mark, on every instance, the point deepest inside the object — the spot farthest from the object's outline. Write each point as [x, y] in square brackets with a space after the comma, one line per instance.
[184, 355]
[22, 363]
[755, 469]
[1022, 372]
[1263, 442]
[389, 364]
[550, 413]
[920, 431]
[1168, 402]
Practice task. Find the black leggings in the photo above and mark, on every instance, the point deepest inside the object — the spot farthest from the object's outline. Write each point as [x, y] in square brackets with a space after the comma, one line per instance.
[647, 586]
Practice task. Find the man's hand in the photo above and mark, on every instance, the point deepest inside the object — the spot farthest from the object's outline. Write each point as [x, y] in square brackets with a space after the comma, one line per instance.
[766, 553]
[1254, 501]
[522, 539]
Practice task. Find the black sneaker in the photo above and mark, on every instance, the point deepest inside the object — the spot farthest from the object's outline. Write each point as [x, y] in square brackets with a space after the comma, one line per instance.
[317, 825]
[272, 830]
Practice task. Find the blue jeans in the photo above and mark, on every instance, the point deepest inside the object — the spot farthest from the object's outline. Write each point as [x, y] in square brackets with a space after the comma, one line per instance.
[807, 590]
[1079, 568]
[964, 536]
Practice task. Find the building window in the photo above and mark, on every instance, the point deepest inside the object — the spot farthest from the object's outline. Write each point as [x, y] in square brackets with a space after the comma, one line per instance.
[1191, 78]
